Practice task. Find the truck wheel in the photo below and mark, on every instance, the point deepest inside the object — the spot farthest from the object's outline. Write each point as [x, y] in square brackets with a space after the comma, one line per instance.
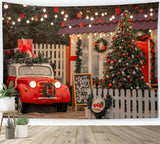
[20, 106]
[62, 107]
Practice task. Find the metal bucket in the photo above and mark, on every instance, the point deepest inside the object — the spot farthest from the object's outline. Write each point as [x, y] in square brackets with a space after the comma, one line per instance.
[10, 134]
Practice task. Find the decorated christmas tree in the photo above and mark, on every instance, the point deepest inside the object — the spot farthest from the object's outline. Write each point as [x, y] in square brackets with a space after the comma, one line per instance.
[124, 64]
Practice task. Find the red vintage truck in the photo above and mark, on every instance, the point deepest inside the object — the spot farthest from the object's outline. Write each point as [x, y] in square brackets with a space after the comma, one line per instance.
[36, 85]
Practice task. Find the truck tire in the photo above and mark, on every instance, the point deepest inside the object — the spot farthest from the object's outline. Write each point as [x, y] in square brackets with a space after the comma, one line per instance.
[62, 107]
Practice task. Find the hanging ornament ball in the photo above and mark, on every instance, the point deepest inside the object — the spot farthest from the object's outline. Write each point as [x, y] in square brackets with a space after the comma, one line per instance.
[117, 53]
[129, 58]
[128, 76]
[140, 78]
[131, 80]
[125, 42]
[121, 25]
[120, 80]
[123, 34]
[119, 73]
[107, 56]
[115, 50]
[118, 36]
[129, 42]
[132, 24]
[136, 56]
[122, 47]
[123, 54]
[125, 15]
[124, 65]
[130, 50]
[108, 61]
[111, 62]
[109, 85]
[129, 20]
[140, 54]
[109, 78]
[132, 34]
[115, 60]
[120, 21]
[137, 65]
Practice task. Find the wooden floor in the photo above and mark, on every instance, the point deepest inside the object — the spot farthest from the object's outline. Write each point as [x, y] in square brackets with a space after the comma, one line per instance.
[88, 135]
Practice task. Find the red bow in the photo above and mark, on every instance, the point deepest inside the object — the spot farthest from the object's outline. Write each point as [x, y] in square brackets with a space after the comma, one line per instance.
[56, 9]
[117, 11]
[81, 24]
[99, 20]
[22, 15]
[62, 24]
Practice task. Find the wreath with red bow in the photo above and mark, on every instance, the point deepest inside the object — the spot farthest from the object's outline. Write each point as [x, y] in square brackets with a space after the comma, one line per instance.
[103, 48]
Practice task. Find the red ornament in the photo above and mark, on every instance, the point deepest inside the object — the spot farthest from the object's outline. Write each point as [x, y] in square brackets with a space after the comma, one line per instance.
[22, 15]
[152, 61]
[132, 66]
[137, 65]
[119, 73]
[99, 20]
[117, 11]
[115, 60]
[109, 78]
[129, 42]
[107, 56]
[36, 18]
[131, 24]
[136, 56]
[130, 50]
[122, 47]
[141, 64]
[125, 15]
[79, 15]
[56, 10]
[121, 25]
[123, 54]
[108, 61]
[8, 51]
[123, 34]
[129, 58]
[62, 24]
[151, 67]
[136, 7]
[115, 50]
[140, 11]
[132, 34]
[81, 24]
[128, 76]
[109, 85]
[125, 42]
[131, 80]
[140, 78]
[120, 80]
[124, 65]
[118, 36]
[120, 21]
[8, 21]
[129, 20]
[111, 62]
[152, 50]
[95, 44]
[130, 46]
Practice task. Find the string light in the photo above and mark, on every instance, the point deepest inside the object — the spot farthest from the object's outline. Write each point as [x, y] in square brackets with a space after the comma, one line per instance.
[105, 13]
[78, 35]
[102, 14]
[70, 27]
[9, 18]
[113, 17]
[111, 33]
[131, 16]
[107, 34]
[44, 10]
[2, 18]
[5, 6]
[65, 19]
[87, 17]
[24, 5]
[95, 34]
[110, 19]
[41, 19]
[19, 19]
[150, 31]
[62, 12]
[151, 14]
[13, 23]
[27, 21]
[66, 15]
[151, 9]
[32, 18]
[90, 25]
[45, 16]
[56, 16]
[145, 16]
[96, 13]
[92, 18]
[104, 35]
[88, 36]
[52, 23]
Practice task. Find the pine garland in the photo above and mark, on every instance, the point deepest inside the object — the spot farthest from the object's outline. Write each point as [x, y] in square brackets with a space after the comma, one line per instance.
[103, 48]
[78, 58]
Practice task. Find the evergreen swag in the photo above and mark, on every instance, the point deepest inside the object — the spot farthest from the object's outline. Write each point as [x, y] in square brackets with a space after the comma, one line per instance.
[78, 54]
[103, 48]
[108, 103]
[123, 65]
[152, 60]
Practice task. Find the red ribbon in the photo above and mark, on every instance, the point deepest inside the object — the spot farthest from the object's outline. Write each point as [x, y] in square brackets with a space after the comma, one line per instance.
[145, 36]
[56, 9]
[99, 20]
[117, 11]
[62, 24]
[152, 50]
[22, 15]
[81, 24]
[152, 44]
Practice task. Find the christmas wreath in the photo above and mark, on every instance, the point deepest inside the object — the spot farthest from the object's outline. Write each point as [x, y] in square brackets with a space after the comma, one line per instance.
[108, 103]
[103, 48]
[49, 85]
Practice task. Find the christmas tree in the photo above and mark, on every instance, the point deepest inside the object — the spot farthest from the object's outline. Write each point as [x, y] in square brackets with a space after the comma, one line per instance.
[78, 54]
[123, 65]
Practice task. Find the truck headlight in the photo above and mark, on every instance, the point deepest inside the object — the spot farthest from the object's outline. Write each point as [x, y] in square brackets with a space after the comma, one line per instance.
[32, 84]
[57, 84]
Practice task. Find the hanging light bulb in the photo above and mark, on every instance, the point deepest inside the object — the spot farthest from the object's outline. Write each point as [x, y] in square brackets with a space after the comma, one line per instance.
[111, 33]
[13, 23]
[131, 16]
[56, 16]
[19, 19]
[45, 16]
[24, 5]
[63, 34]
[96, 13]
[41, 19]
[104, 35]
[90, 25]
[44, 10]
[151, 14]
[95, 34]
[102, 14]
[113, 17]
[9, 18]
[5, 6]
[70, 27]
[110, 19]
[2, 18]
[87, 17]
[32, 18]
[92, 18]
[107, 34]
[88, 37]
[78, 35]
[27, 21]
[150, 31]
[151, 9]
[105, 13]
[145, 16]
[62, 12]
[66, 15]
[65, 19]
[52, 23]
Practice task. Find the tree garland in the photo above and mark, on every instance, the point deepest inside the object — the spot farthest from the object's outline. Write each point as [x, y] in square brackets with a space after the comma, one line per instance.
[103, 48]
[108, 103]
[153, 78]
[49, 85]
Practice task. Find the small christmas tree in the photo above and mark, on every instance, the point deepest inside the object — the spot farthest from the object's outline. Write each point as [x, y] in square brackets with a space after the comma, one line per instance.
[123, 65]
[78, 54]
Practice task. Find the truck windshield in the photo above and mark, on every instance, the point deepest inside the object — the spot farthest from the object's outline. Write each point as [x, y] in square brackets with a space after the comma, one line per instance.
[35, 70]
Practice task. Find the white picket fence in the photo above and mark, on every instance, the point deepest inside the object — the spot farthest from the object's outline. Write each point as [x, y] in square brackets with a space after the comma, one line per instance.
[57, 53]
[131, 103]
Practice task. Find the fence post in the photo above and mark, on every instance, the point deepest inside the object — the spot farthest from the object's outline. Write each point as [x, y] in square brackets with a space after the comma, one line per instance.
[111, 109]
[122, 110]
[128, 98]
[134, 105]
[146, 109]
[116, 103]
[152, 98]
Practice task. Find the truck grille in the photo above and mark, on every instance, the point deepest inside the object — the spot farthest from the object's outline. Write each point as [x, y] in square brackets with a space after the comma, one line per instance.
[48, 90]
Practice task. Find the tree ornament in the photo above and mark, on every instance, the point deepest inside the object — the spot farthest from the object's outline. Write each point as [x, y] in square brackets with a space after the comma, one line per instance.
[121, 25]
[123, 54]
[115, 60]
[129, 58]
[108, 61]
[119, 73]
[124, 65]
[103, 48]
[8, 51]
[110, 85]
[128, 76]
[115, 50]
[120, 21]
[136, 56]
[131, 80]
[120, 80]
